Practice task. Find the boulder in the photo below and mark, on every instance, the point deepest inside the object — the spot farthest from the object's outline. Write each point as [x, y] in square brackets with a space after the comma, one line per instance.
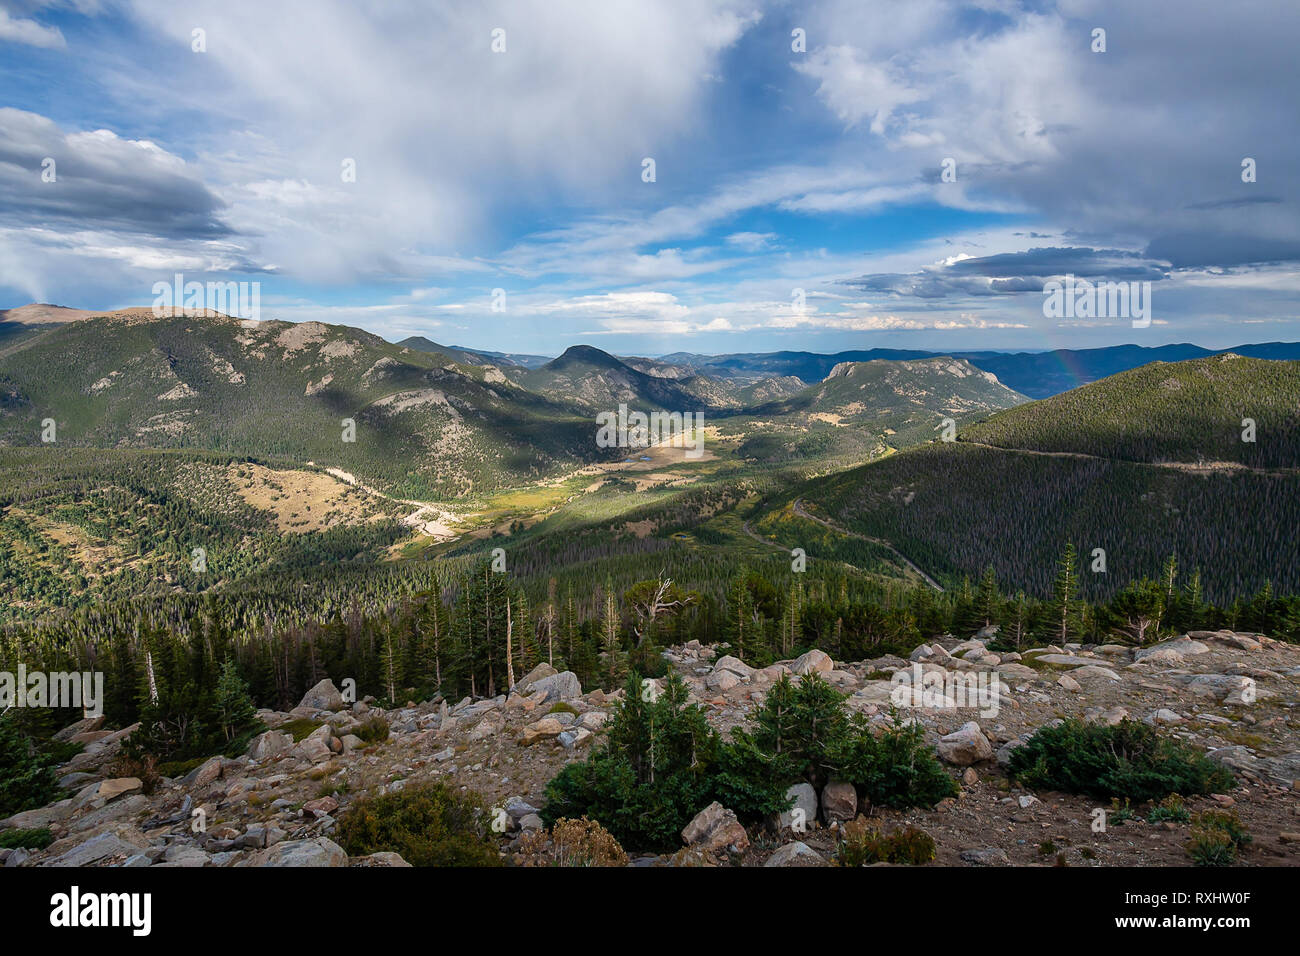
[796, 854]
[839, 802]
[735, 665]
[805, 800]
[318, 852]
[324, 696]
[111, 789]
[104, 846]
[965, 746]
[544, 729]
[716, 828]
[269, 744]
[722, 680]
[524, 687]
[206, 772]
[814, 662]
[562, 686]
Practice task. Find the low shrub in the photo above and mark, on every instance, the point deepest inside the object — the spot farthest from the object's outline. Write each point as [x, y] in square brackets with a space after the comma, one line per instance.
[373, 730]
[299, 728]
[570, 843]
[1169, 810]
[429, 825]
[1129, 759]
[1211, 848]
[896, 769]
[1217, 837]
[37, 838]
[862, 844]
[179, 768]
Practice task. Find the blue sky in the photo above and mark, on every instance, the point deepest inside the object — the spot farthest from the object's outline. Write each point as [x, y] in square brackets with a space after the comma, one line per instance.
[776, 169]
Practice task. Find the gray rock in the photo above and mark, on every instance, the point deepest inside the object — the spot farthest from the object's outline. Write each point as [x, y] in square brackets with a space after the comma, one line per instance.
[562, 686]
[269, 744]
[324, 696]
[321, 851]
[796, 854]
[805, 800]
[96, 850]
[965, 746]
[814, 662]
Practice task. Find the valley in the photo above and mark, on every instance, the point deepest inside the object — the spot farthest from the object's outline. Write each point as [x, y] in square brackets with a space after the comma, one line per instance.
[295, 503]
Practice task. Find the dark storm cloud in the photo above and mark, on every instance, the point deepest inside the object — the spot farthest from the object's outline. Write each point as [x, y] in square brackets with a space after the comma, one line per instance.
[1014, 272]
[99, 181]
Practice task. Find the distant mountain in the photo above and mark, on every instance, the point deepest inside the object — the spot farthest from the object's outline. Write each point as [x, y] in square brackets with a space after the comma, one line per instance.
[1036, 374]
[468, 356]
[593, 380]
[425, 424]
[27, 321]
[862, 409]
[1110, 466]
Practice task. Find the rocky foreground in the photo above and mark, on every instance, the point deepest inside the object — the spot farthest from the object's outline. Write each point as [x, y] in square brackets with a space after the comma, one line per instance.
[1231, 693]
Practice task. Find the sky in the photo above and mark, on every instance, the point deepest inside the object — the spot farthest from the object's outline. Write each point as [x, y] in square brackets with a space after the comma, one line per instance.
[670, 176]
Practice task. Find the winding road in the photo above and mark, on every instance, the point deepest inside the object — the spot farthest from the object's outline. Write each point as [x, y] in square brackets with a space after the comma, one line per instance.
[799, 510]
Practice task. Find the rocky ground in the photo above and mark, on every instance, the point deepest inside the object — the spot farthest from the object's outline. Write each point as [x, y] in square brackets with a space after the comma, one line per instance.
[1233, 694]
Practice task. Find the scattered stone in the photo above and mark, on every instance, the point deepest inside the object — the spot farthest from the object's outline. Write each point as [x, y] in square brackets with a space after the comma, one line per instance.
[796, 854]
[989, 856]
[716, 828]
[839, 802]
[965, 746]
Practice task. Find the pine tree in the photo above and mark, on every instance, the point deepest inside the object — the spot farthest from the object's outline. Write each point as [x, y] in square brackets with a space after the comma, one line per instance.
[611, 640]
[1065, 602]
[988, 601]
[234, 707]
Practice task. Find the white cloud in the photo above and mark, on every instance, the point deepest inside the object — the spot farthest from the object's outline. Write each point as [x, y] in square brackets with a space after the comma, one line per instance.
[30, 32]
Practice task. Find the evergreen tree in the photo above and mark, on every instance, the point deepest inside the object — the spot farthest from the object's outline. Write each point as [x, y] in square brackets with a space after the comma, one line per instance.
[1065, 600]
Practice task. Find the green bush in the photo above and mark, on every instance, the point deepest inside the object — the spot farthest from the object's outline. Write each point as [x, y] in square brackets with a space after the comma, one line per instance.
[35, 839]
[1170, 810]
[1217, 837]
[1129, 759]
[649, 778]
[662, 763]
[1211, 848]
[27, 776]
[373, 730]
[429, 825]
[895, 769]
[802, 732]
